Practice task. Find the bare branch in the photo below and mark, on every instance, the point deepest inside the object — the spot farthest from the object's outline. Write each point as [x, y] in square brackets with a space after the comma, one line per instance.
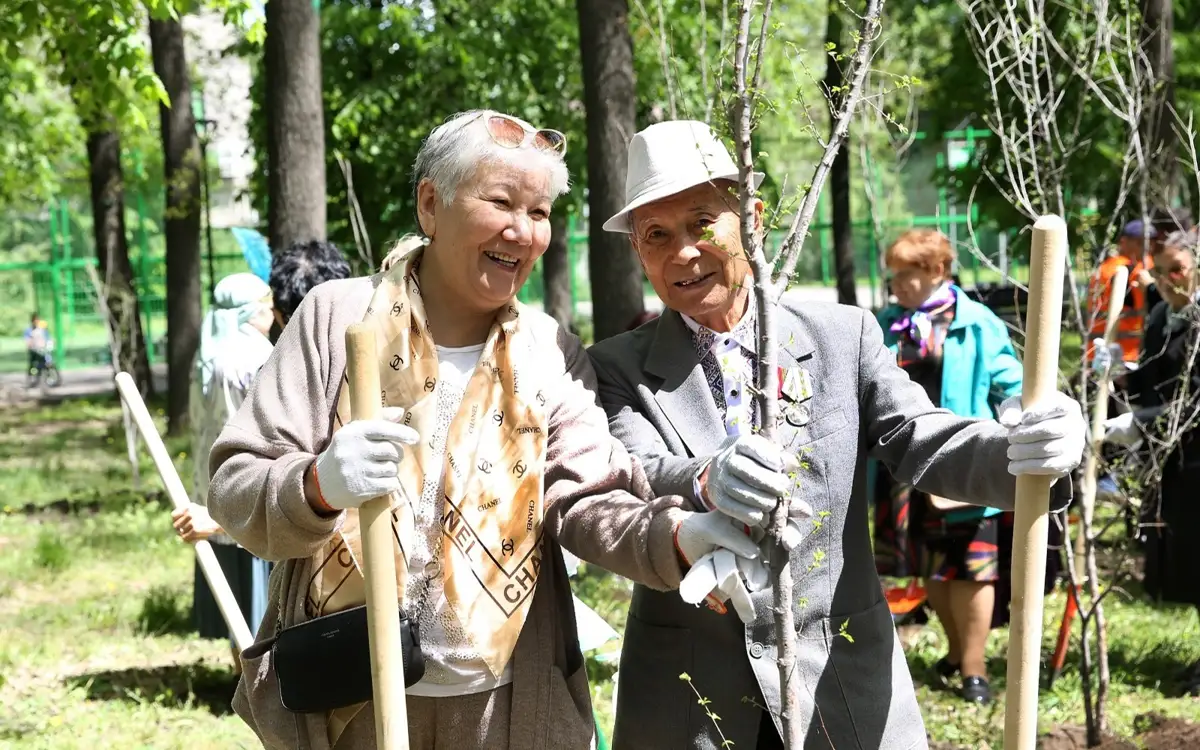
[789, 254]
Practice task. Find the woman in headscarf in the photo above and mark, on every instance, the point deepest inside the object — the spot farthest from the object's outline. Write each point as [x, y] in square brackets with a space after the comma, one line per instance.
[491, 447]
[233, 346]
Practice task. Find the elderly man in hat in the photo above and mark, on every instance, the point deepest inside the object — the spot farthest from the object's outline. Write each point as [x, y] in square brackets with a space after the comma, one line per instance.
[678, 392]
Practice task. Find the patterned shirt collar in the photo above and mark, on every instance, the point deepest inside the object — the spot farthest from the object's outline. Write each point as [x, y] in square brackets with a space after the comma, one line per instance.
[745, 333]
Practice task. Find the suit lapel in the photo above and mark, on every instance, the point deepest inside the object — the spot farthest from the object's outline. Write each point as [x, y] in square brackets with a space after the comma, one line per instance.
[794, 344]
[684, 396]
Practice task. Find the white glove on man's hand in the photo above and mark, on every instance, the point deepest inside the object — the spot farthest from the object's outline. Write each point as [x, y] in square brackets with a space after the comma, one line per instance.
[1122, 430]
[719, 551]
[701, 533]
[747, 477]
[722, 576]
[363, 459]
[1046, 440]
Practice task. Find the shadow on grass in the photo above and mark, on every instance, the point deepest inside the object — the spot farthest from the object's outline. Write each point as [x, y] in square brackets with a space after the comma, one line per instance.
[174, 686]
[1163, 669]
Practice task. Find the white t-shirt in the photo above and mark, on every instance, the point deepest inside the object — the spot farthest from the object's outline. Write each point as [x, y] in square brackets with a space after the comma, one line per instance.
[452, 665]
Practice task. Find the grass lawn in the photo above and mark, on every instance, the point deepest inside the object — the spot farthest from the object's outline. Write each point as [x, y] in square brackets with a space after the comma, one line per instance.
[95, 593]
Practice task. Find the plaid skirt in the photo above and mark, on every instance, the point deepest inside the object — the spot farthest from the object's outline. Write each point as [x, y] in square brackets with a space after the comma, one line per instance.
[914, 539]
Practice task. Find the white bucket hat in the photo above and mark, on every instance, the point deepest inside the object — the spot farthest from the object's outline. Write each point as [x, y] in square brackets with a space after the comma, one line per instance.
[668, 158]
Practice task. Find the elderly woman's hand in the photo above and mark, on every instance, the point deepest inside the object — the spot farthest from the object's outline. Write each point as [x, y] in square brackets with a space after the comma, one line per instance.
[362, 461]
[193, 523]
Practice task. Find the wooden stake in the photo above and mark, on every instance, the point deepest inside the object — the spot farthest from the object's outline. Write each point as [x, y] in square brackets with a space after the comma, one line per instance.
[1047, 268]
[179, 498]
[379, 559]
[1116, 302]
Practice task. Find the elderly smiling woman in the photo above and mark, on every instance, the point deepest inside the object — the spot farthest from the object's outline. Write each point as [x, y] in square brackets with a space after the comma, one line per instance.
[491, 445]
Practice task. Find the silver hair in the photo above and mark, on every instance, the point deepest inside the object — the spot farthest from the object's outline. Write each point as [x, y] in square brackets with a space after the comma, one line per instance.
[457, 147]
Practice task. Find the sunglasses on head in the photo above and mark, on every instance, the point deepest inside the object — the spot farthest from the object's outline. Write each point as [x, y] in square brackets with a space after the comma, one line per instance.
[509, 132]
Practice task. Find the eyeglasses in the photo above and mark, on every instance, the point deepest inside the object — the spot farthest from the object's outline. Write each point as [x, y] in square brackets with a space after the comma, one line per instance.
[509, 132]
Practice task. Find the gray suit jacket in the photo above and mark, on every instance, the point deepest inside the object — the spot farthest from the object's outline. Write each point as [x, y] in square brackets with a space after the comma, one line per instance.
[856, 690]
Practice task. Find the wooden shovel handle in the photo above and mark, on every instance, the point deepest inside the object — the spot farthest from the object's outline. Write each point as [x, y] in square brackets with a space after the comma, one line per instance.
[1047, 269]
[379, 559]
[209, 566]
[1091, 465]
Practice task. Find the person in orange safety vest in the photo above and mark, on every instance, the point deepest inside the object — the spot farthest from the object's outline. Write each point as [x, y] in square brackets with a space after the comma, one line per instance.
[1131, 253]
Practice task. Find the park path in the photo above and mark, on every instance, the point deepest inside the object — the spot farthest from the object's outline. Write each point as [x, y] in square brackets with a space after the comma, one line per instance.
[94, 381]
[76, 383]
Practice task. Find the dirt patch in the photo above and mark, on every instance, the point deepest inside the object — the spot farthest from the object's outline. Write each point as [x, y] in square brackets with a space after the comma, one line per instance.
[1169, 734]
[1075, 738]
[1154, 733]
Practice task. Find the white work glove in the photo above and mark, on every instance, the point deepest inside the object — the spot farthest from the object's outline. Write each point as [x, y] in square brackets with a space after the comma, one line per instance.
[1046, 440]
[746, 479]
[363, 459]
[724, 563]
[1122, 430]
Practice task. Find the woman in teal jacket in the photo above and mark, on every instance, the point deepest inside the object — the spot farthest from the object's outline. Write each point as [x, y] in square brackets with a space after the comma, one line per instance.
[961, 353]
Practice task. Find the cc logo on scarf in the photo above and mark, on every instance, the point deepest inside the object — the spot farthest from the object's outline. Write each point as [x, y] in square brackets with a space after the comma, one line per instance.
[498, 418]
[430, 384]
[519, 469]
[398, 308]
[485, 466]
[396, 362]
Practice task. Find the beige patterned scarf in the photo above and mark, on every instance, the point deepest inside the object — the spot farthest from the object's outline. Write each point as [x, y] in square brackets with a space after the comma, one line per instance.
[494, 460]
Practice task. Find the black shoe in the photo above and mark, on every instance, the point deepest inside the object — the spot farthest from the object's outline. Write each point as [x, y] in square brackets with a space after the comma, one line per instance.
[976, 690]
[945, 669]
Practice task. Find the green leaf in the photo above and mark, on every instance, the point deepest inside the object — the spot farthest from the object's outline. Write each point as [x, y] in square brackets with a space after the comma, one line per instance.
[844, 633]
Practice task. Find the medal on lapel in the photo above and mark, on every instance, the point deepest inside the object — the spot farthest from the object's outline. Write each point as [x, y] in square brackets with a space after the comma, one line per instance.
[796, 414]
[795, 385]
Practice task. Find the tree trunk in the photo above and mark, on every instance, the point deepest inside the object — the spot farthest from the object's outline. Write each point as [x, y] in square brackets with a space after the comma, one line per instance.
[556, 273]
[839, 172]
[295, 124]
[112, 252]
[181, 159]
[1158, 123]
[610, 99]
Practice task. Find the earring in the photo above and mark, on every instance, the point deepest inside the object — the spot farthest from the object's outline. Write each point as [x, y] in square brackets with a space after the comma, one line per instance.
[426, 240]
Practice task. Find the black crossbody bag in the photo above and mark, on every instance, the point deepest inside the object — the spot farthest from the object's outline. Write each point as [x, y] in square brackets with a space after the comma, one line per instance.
[325, 663]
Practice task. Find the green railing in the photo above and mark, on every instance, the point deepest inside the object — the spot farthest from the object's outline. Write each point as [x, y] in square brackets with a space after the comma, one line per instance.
[60, 289]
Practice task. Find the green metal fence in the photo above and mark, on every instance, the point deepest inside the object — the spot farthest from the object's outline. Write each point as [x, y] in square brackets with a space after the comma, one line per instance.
[54, 247]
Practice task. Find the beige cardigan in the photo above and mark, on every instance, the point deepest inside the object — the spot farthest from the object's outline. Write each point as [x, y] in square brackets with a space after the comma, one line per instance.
[257, 495]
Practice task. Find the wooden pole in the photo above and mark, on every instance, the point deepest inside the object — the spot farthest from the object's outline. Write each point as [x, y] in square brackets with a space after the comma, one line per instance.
[179, 498]
[379, 559]
[1047, 269]
[1116, 303]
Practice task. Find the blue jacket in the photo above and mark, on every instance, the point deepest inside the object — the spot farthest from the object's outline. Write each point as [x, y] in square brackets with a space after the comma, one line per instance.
[979, 367]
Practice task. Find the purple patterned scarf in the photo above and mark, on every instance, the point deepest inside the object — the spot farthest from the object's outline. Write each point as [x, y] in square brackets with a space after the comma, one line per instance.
[916, 323]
